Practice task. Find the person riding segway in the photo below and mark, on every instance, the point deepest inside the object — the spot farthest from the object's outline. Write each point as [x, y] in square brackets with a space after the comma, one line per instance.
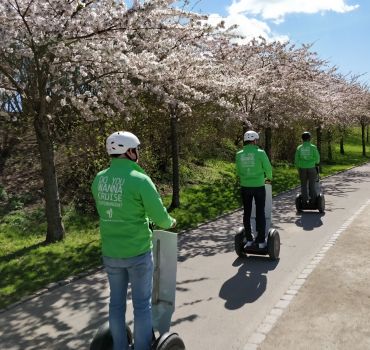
[126, 199]
[163, 299]
[307, 160]
[255, 173]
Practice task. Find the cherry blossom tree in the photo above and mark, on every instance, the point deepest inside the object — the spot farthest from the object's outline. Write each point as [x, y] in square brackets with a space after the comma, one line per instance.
[99, 59]
[264, 82]
[85, 58]
[185, 74]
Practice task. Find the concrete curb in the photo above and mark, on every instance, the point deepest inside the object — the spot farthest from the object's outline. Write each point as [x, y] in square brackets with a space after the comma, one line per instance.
[52, 286]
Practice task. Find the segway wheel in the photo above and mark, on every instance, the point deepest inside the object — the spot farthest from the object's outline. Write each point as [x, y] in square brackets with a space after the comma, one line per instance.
[298, 203]
[103, 338]
[321, 203]
[273, 244]
[239, 243]
[170, 341]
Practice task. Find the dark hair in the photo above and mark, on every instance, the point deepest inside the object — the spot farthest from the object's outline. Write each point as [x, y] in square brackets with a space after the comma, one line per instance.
[306, 136]
[248, 142]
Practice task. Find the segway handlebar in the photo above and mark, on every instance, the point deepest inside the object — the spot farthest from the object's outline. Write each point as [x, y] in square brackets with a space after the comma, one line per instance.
[153, 226]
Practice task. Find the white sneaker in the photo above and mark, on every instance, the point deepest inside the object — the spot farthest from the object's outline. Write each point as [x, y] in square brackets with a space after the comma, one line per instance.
[262, 245]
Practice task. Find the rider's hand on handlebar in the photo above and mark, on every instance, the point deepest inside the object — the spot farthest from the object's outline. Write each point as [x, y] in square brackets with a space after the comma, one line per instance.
[268, 181]
[174, 223]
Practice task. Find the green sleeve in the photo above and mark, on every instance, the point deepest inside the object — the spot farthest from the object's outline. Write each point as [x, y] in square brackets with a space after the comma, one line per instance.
[237, 166]
[296, 158]
[93, 188]
[317, 156]
[153, 205]
[266, 166]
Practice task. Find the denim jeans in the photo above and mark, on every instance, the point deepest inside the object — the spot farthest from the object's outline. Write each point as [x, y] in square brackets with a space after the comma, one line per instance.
[259, 195]
[139, 272]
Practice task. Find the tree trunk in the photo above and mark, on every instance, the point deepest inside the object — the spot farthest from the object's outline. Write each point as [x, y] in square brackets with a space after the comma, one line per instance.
[175, 162]
[4, 155]
[318, 138]
[330, 151]
[363, 139]
[55, 229]
[268, 137]
[5, 151]
[245, 128]
[341, 145]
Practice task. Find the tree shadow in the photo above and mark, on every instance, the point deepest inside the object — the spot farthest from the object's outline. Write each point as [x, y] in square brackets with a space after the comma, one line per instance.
[249, 283]
[189, 318]
[39, 267]
[56, 320]
[21, 252]
[53, 320]
[217, 236]
[210, 239]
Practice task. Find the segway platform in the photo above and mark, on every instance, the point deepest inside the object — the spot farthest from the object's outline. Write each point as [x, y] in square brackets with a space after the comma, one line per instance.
[272, 248]
[163, 298]
[316, 204]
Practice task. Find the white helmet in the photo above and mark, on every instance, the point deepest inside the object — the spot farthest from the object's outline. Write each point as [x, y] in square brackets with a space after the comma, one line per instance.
[120, 141]
[251, 136]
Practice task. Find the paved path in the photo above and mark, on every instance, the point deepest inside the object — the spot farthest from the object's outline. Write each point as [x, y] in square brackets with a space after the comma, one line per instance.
[331, 309]
[223, 302]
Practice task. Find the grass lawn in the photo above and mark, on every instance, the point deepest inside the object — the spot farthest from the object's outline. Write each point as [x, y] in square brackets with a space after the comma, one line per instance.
[27, 265]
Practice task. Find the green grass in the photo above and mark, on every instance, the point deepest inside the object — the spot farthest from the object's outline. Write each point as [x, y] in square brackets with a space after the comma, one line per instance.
[27, 265]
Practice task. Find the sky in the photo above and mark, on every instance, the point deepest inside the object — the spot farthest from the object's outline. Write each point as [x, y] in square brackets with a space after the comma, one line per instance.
[338, 29]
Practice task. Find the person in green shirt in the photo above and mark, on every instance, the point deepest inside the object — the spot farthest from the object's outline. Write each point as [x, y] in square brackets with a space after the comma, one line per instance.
[253, 169]
[306, 160]
[126, 199]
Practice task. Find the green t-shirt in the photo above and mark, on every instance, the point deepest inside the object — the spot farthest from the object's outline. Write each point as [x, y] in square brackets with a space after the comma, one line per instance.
[306, 156]
[126, 199]
[253, 166]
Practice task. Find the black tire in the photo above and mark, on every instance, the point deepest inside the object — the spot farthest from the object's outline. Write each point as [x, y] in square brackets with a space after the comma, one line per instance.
[103, 338]
[273, 244]
[239, 244]
[170, 341]
[298, 203]
[321, 203]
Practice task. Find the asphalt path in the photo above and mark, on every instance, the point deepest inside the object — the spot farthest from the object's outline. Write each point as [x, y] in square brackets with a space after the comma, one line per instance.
[221, 299]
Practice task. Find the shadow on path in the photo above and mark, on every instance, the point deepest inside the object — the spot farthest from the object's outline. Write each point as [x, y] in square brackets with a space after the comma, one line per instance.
[54, 321]
[58, 314]
[249, 283]
[217, 237]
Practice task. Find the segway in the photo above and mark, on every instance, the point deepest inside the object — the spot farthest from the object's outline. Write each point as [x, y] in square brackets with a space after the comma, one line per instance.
[272, 248]
[163, 299]
[317, 203]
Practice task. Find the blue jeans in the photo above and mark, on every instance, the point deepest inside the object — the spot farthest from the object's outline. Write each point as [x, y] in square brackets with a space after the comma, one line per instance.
[139, 272]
